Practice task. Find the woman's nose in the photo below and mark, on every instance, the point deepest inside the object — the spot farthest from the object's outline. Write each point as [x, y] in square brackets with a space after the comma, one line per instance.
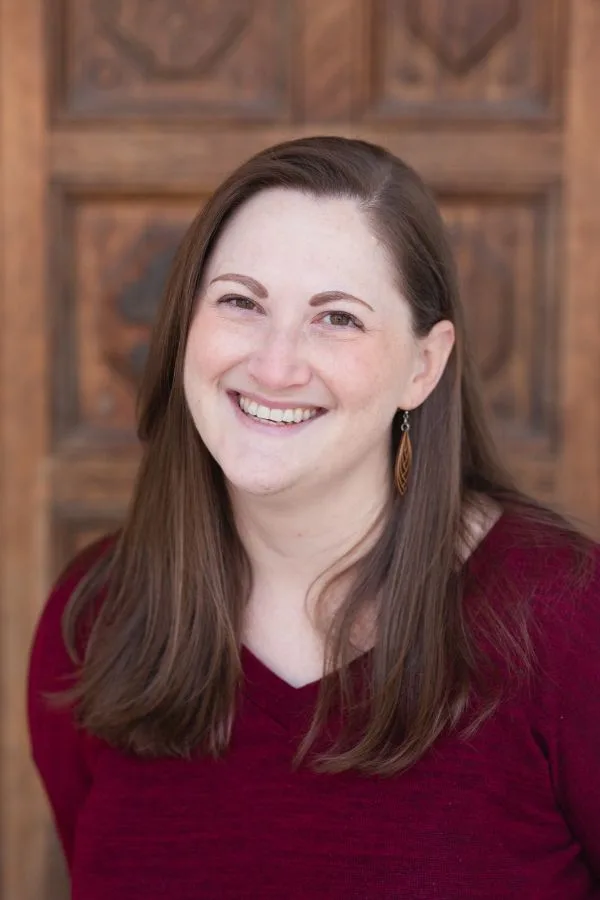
[278, 363]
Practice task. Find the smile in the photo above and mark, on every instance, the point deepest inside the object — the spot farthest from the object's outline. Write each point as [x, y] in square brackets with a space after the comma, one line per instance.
[277, 416]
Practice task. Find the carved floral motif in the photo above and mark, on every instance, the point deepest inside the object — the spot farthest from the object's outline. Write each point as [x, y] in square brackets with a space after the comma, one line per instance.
[474, 59]
[461, 33]
[171, 39]
[173, 59]
[140, 276]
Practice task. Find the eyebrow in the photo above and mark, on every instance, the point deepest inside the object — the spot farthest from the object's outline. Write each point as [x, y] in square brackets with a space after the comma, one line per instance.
[255, 286]
[260, 290]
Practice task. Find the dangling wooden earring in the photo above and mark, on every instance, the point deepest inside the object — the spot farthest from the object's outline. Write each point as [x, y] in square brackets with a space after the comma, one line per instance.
[403, 457]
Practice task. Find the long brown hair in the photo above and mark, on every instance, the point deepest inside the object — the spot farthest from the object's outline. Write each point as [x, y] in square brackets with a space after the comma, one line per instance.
[161, 670]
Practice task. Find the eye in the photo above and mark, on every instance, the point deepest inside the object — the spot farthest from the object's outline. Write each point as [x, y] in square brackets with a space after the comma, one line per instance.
[342, 320]
[235, 301]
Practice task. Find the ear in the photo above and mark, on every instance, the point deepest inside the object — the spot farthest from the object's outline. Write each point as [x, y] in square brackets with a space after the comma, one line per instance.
[432, 353]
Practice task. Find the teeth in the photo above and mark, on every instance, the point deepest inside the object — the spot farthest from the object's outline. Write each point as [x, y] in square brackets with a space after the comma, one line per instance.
[275, 415]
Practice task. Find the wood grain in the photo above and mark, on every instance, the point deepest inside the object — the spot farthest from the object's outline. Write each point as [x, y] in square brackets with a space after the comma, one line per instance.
[329, 55]
[171, 60]
[23, 424]
[107, 152]
[579, 473]
[184, 160]
[465, 60]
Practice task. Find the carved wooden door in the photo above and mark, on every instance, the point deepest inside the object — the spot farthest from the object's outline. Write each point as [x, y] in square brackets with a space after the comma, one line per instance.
[118, 118]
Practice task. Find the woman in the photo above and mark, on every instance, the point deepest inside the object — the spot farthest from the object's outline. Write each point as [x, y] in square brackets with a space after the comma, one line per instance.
[333, 652]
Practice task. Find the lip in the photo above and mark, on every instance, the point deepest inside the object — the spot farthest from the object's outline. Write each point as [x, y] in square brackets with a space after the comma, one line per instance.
[264, 427]
[272, 404]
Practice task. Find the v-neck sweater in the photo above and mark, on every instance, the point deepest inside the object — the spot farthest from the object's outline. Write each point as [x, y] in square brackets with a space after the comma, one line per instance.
[513, 811]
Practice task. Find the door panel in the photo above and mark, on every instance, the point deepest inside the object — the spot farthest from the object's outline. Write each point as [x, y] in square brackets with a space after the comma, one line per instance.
[118, 123]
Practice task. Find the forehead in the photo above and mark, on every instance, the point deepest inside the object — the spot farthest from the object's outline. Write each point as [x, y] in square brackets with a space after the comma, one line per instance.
[286, 234]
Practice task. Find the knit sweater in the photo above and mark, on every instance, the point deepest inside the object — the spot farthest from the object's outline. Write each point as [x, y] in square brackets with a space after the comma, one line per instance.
[512, 811]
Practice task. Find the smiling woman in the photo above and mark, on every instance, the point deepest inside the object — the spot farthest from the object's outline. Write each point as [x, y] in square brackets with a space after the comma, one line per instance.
[294, 346]
[334, 652]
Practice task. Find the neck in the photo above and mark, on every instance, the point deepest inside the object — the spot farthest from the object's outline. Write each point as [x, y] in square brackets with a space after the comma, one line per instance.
[292, 540]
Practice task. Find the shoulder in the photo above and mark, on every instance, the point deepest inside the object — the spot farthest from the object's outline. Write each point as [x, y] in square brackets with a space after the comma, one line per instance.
[82, 564]
[56, 743]
[558, 566]
[561, 580]
[565, 613]
[49, 660]
[556, 572]
[540, 557]
[543, 575]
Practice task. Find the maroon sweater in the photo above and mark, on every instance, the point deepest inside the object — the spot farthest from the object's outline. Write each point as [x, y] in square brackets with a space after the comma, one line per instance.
[514, 812]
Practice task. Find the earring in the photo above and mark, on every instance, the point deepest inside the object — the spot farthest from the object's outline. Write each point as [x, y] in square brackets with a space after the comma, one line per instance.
[403, 457]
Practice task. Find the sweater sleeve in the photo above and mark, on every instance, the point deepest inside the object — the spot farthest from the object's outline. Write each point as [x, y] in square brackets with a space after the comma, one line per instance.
[567, 710]
[56, 742]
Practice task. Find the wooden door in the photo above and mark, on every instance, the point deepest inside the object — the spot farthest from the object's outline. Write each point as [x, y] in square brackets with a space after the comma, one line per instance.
[119, 117]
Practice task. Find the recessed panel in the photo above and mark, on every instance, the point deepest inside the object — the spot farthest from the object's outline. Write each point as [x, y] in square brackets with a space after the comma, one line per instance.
[111, 281]
[475, 59]
[502, 245]
[172, 59]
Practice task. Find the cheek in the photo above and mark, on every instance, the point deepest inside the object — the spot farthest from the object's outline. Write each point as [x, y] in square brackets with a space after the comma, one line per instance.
[371, 378]
[211, 348]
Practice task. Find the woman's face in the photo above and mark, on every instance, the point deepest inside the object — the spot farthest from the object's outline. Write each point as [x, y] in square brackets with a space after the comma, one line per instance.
[301, 349]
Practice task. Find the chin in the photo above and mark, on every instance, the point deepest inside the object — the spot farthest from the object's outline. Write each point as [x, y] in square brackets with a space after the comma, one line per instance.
[260, 484]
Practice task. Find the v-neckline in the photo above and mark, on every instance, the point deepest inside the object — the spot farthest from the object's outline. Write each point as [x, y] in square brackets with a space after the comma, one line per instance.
[282, 701]
[287, 704]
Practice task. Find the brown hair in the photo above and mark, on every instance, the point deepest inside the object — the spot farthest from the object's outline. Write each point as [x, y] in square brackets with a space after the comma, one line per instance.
[161, 671]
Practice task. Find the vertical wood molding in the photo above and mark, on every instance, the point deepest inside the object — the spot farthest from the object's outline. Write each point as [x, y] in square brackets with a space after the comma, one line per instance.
[580, 327]
[328, 58]
[335, 71]
[23, 409]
